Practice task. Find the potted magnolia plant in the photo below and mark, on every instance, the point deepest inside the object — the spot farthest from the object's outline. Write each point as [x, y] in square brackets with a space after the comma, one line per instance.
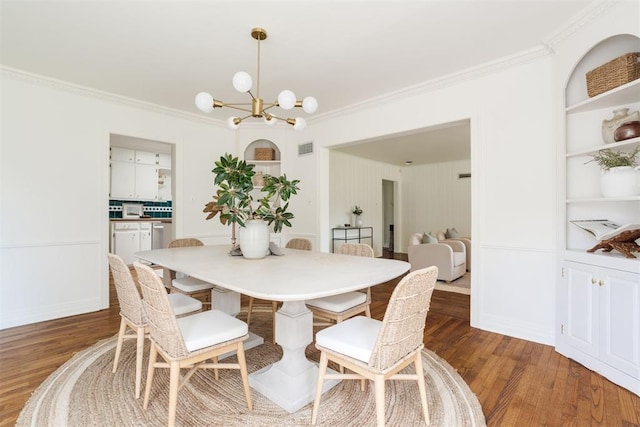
[619, 172]
[235, 203]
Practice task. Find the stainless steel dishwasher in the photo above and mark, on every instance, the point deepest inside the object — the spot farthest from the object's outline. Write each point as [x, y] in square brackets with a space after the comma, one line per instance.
[157, 235]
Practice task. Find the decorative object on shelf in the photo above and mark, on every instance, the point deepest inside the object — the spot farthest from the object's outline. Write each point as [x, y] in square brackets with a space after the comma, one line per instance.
[619, 172]
[614, 73]
[265, 154]
[625, 243]
[620, 116]
[234, 202]
[242, 82]
[357, 212]
[628, 130]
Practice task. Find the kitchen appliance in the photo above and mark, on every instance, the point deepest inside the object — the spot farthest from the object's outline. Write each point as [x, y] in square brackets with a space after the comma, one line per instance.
[132, 210]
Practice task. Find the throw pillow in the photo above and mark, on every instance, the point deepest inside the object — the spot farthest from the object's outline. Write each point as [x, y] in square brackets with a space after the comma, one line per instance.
[440, 235]
[452, 233]
[429, 238]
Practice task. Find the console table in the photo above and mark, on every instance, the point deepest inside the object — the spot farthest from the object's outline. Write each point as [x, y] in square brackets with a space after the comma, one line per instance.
[351, 235]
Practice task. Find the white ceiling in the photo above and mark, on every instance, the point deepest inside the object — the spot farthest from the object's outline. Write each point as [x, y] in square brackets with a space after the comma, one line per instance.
[341, 52]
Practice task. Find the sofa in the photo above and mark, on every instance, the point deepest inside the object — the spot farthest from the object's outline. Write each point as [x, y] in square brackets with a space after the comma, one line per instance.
[449, 235]
[448, 255]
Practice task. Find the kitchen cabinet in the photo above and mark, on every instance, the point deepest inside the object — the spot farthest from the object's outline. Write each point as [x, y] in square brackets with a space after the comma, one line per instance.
[600, 327]
[129, 237]
[125, 240]
[134, 174]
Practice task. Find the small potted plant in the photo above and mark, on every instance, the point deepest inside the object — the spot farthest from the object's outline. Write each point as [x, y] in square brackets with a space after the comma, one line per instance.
[357, 211]
[619, 172]
[235, 202]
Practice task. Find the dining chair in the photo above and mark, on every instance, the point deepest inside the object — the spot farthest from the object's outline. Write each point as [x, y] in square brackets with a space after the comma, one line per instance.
[188, 342]
[132, 313]
[186, 284]
[377, 350]
[296, 243]
[337, 308]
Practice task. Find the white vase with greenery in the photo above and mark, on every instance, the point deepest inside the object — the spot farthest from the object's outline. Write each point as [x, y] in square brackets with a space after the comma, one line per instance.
[234, 202]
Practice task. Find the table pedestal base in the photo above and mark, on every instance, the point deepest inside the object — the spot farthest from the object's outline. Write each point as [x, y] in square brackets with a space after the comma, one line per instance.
[291, 381]
[289, 392]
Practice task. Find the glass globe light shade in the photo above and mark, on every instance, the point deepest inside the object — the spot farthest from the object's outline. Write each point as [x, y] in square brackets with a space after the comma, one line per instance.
[231, 124]
[204, 102]
[309, 104]
[287, 99]
[300, 123]
[242, 81]
[269, 121]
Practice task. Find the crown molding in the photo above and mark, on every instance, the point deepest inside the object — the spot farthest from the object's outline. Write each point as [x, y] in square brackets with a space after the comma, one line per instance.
[584, 17]
[45, 81]
[488, 68]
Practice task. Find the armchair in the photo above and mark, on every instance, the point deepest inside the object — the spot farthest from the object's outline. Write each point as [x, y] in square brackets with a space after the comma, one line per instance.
[449, 256]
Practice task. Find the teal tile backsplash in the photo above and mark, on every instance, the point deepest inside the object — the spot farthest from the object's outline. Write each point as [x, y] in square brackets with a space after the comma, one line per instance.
[153, 209]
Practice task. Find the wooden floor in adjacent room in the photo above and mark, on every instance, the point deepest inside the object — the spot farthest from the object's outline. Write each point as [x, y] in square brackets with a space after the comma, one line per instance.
[518, 383]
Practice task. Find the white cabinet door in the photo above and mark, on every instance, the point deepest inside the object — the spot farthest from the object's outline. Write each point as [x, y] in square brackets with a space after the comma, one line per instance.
[122, 154]
[123, 176]
[581, 329]
[146, 182]
[126, 243]
[145, 236]
[164, 161]
[146, 158]
[620, 321]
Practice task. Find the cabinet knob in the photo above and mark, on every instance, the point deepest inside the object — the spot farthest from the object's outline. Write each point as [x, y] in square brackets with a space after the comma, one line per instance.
[601, 282]
[594, 281]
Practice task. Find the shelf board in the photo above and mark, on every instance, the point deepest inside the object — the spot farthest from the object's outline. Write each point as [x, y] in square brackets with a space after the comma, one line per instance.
[604, 199]
[626, 94]
[264, 162]
[593, 150]
[603, 259]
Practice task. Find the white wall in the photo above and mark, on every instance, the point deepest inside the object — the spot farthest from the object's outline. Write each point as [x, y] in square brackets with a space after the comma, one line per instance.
[357, 181]
[513, 193]
[434, 199]
[55, 184]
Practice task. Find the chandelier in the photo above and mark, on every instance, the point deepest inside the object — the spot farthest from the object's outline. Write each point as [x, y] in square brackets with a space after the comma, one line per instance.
[242, 82]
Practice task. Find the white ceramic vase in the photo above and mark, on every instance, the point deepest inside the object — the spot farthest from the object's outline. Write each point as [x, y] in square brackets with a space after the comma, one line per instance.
[622, 181]
[254, 239]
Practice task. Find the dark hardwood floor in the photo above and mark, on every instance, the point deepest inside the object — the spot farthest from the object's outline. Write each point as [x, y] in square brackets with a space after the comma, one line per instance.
[518, 383]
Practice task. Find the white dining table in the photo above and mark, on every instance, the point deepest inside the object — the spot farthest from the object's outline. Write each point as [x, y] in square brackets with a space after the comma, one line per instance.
[292, 278]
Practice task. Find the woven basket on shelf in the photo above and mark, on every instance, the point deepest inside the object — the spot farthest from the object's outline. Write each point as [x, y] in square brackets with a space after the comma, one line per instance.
[265, 154]
[614, 73]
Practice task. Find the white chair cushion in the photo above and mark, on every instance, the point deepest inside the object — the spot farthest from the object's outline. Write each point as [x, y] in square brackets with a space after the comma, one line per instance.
[191, 284]
[339, 303]
[210, 328]
[354, 337]
[183, 304]
[459, 258]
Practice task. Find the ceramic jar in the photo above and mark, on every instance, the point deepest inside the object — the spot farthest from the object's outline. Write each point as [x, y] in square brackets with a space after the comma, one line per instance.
[620, 117]
[621, 181]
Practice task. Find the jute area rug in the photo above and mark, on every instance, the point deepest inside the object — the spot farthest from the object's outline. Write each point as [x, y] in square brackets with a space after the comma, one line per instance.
[84, 392]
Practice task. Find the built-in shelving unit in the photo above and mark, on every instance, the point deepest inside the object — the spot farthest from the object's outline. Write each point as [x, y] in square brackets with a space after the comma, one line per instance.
[598, 300]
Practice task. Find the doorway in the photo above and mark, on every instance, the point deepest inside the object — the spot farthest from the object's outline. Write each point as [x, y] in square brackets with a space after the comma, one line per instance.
[388, 216]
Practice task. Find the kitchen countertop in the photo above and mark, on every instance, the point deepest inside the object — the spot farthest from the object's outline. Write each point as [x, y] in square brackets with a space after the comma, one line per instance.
[165, 220]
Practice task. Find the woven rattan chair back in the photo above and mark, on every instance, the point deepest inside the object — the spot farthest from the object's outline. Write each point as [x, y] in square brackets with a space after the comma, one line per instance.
[163, 327]
[185, 242]
[297, 243]
[403, 324]
[358, 249]
[126, 290]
